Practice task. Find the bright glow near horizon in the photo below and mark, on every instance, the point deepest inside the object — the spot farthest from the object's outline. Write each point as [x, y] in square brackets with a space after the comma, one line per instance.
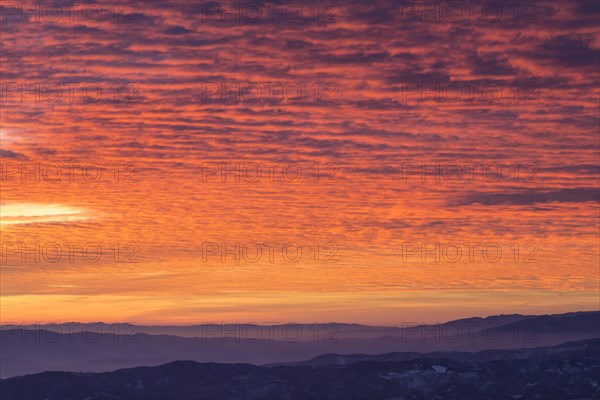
[26, 213]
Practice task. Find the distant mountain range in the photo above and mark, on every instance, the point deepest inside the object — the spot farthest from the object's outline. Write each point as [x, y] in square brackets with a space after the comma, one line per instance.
[25, 350]
[278, 332]
[568, 371]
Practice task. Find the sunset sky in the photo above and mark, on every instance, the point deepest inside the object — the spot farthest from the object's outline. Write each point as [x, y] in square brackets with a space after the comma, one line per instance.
[349, 110]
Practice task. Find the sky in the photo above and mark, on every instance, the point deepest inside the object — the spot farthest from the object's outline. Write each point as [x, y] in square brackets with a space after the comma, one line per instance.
[372, 162]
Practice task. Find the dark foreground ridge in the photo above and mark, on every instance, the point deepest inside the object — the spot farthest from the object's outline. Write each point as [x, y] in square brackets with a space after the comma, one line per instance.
[567, 371]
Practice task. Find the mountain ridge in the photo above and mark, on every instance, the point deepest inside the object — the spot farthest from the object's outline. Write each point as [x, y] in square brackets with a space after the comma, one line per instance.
[546, 374]
[31, 351]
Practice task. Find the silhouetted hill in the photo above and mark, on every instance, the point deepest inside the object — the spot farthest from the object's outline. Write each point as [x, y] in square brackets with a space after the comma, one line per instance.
[338, 330]
[564, 351]
[27, 351]
[572, 372]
